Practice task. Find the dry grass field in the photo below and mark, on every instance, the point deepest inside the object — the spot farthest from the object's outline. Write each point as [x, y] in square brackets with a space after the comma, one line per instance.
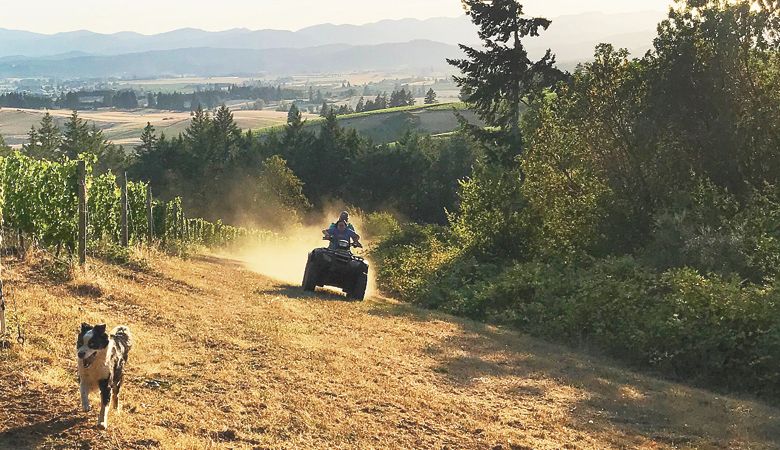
[124, 127]
[227, 358]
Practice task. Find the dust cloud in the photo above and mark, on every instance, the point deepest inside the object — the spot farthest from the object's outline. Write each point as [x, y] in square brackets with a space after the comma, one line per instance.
[285, 259]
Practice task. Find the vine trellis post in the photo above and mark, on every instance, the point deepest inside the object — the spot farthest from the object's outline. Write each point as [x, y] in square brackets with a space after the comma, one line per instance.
[149, 213]
[82, 188]
[125, 229]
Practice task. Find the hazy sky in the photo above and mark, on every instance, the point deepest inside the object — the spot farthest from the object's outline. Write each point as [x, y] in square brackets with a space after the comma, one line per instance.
[154, 16]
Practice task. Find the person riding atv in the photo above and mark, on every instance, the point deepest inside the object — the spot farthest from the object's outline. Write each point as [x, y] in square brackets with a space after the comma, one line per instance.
[336, 265]
[341, 231]
[345, 217]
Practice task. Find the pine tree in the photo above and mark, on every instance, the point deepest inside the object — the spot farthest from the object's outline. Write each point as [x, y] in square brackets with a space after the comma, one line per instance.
[76, 138]
[361, 105]
[32, 146]
[197, 133]
[294, 116]
[496, 81]
[50, 137]
[148, 140]
[380, 102]
[408, 98]
[324, 109]
[430, 97]
[226, 134]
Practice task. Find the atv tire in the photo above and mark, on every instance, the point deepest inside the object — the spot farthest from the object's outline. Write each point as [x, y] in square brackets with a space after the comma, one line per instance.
[358, 291]
[310, 276]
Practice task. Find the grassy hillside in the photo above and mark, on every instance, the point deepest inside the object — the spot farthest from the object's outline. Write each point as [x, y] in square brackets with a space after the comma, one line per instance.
[388, 125]
[257, 363]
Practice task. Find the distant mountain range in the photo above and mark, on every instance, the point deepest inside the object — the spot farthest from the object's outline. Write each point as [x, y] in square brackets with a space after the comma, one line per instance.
[397, 44]
[416, 56]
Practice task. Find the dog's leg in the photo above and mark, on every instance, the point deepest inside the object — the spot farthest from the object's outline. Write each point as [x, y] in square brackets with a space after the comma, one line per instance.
[115, 398]
[117, 386]
[105, 398]
[84, 396]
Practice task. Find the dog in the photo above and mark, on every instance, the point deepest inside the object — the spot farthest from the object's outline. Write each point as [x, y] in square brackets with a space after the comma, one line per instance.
[101, 362]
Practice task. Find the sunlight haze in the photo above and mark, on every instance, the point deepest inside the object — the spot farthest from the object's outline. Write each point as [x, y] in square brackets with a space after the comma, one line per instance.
[152, 16]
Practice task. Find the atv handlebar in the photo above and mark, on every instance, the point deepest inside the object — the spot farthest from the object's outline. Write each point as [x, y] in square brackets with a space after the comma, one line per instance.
[351, 244]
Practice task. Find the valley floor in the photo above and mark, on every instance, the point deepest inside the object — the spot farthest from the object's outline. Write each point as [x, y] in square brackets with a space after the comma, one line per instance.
[226, 358]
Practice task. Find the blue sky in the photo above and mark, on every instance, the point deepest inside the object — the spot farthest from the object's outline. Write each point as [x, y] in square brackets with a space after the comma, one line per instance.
[154, 16]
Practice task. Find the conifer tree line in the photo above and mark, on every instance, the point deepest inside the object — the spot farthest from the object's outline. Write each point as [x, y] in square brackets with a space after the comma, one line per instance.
[381, 101]
[208, 98]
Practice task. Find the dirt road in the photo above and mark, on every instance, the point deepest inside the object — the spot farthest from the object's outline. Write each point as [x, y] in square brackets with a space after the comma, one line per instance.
[226, 358]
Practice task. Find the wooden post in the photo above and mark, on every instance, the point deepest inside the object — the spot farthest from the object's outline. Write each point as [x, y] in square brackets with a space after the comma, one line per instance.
[164, 224]
[125, 232]
[175, 225]
[82, 188]
[180, 222]
[2, 295]
[149, 212]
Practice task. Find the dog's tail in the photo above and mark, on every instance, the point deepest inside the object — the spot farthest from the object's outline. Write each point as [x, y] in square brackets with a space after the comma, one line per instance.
[122, 339]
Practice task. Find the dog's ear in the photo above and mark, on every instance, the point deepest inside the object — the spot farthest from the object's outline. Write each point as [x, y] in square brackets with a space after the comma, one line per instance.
[100, 329]
[85, 327]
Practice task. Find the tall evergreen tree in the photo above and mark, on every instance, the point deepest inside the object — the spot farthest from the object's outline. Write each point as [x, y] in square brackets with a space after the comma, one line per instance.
[33, 144]
[430, 97]
[44, 142]
[197, 136]
[76, 138]
[325, 109]
[500, 78]
[148, 141]
[293, 115]
[49, 134]
[227, 135]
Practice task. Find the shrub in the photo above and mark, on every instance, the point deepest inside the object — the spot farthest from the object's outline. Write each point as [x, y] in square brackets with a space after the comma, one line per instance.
[378, 225]
[705, 329]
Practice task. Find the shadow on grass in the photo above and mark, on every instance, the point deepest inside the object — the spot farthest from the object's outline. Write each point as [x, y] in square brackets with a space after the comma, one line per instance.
[218, 260]
[33, 435]
[608, 399]
[297, 293]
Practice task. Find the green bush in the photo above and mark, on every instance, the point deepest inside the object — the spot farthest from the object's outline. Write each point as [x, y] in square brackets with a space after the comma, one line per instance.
[378, 225]
[704, 329]
[711, 231]
[406, 258]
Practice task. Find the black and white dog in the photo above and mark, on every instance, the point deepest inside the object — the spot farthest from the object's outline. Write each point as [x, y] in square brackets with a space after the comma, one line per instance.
[102, 359]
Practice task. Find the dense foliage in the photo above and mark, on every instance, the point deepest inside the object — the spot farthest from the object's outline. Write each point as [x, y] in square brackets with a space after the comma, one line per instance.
[647, 220]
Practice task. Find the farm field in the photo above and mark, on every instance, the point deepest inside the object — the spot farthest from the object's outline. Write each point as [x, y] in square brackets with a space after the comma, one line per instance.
[257, 363]
[123, 127]
[389, 125]
[385, 127]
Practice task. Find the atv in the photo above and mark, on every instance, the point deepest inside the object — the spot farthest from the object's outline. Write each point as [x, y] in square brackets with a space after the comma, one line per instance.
[337, 267]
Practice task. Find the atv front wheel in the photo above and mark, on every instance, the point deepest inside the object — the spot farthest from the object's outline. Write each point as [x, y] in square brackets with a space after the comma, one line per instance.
[310, 276]
[359, 290]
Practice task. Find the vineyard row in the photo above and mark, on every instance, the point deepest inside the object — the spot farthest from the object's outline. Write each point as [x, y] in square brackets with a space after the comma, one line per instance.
[40, 199]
